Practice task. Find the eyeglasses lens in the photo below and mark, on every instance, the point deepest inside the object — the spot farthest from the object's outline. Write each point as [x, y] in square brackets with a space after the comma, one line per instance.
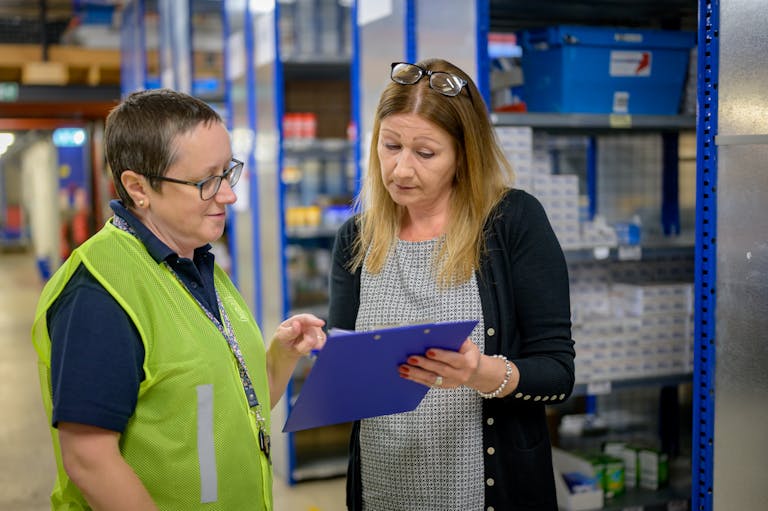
[445, 83]
[211, 186]
[234, 174]
[406, 74]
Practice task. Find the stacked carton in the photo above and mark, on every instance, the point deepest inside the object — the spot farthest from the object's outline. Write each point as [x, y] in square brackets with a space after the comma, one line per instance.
[559, 194]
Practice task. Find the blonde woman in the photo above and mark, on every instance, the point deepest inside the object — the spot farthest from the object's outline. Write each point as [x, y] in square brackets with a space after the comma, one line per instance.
[440, 235]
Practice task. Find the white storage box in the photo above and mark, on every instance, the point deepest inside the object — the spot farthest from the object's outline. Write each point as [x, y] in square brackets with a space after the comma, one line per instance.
[565, 462]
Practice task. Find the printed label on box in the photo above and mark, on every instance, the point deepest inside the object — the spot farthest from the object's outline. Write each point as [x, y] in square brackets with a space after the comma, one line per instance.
[621, 102]
[630, 63]
[628, 37]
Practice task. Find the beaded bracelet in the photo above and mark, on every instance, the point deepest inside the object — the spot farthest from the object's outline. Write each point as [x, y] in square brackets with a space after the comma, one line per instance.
[499, 390]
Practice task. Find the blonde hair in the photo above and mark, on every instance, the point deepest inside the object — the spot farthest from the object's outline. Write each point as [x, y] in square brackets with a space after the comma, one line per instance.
[483, 174]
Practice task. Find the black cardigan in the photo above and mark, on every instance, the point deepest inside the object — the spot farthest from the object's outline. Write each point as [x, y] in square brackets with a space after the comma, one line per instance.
[523, 285]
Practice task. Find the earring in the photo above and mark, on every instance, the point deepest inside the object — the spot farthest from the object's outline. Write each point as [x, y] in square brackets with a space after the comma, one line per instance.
[141, 203]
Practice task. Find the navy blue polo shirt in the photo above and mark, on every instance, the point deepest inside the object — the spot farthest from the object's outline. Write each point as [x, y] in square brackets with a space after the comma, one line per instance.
[96, 352]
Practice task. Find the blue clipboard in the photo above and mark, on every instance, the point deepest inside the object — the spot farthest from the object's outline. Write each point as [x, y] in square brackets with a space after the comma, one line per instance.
[355, 375]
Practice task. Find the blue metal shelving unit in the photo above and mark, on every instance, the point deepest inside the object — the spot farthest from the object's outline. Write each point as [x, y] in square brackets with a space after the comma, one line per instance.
[271, 66]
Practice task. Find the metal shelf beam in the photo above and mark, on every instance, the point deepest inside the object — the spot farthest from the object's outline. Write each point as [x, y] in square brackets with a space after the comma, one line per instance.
[599, 122]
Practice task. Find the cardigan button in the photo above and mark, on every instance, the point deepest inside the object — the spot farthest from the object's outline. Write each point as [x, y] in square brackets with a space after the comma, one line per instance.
[490, 508]
[490, 481]
[491, 332]
[490, 421]
[491, 451]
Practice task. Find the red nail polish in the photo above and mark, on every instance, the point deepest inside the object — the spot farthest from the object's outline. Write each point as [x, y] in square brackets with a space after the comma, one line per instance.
[431, 353]
[413, 360]
[404, 370]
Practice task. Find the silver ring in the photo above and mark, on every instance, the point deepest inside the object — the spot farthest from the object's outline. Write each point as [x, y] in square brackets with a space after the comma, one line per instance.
[438, 381]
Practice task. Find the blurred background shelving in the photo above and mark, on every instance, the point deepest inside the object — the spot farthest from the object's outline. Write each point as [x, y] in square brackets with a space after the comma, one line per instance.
[296, 82]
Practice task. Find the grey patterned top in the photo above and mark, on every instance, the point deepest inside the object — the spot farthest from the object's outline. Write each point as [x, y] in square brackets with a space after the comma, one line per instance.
[430, 458]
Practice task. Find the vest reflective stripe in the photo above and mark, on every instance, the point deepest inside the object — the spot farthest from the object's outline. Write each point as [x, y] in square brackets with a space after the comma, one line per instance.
[206, 451]
[192, 439]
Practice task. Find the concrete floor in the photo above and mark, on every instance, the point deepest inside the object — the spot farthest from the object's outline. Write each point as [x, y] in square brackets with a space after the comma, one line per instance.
[27, 467]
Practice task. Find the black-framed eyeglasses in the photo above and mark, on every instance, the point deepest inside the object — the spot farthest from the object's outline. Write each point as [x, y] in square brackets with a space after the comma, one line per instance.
[447, 84]
[209, 186]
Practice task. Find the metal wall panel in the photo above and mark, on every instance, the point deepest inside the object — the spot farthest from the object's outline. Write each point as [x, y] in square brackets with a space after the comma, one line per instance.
[743, 73]
[175, 45]
[242, 125]
[133, 53]
[381, 29]
[267, 195]
[411, 30]
[268, 240]
[741, 412]
[447, 29]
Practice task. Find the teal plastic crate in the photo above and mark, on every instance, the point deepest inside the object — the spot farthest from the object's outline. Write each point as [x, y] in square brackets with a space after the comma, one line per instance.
[581, 69]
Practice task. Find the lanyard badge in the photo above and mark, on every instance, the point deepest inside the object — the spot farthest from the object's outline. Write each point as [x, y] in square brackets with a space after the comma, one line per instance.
[265, 444]
[265, 441]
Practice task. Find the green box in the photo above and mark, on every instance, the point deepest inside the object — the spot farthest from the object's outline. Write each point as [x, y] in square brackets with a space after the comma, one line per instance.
[629, 454]
[609, 472]
[654, 469]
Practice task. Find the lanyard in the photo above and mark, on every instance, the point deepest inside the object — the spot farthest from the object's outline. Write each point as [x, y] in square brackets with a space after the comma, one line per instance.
[228, 333]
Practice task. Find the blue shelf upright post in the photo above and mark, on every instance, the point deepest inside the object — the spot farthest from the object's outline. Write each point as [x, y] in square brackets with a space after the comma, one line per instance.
[483, 24]
[705, 258]
[670, 193]
[355, 93]
[592, 176]
[410, 30]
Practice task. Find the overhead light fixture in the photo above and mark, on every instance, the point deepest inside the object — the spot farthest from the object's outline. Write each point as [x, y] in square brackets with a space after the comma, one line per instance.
[6, 140]
[68, 137]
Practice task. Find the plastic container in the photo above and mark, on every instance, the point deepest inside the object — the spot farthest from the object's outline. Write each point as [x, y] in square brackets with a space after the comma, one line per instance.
[581, 69]
[629, 233]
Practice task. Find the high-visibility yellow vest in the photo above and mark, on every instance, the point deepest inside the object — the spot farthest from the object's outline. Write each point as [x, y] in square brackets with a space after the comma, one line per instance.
[192, 440]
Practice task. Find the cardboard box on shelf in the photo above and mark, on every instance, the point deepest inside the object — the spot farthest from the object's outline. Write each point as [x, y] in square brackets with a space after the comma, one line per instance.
[44, 73]
[65, 65]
